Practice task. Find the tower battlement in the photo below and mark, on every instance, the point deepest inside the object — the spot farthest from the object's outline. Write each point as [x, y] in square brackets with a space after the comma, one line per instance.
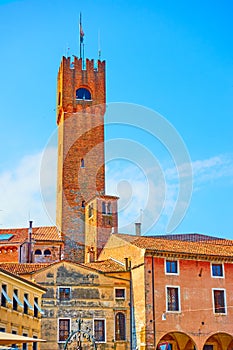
[79, 84]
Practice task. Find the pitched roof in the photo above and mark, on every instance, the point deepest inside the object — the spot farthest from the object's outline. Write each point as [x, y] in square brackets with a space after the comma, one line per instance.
[108, 265]
[20, 235]
[23, 268]
[207, 246]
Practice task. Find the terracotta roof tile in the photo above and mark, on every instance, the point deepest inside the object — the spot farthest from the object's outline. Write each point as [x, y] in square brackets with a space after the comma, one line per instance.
[109, 265]
[20, 235]
[212, 247]
[22, 269]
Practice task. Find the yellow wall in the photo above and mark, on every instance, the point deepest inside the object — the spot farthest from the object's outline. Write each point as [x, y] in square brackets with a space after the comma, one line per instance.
[11, 320]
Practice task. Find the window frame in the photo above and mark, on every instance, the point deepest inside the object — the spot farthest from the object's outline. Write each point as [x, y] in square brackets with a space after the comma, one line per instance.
[58, 293]
[179, 301]
[215, 276]
[177, 265]
[105, 330]
[225, 301]
[115, 326]
[25, 345]
[58, 328]
[119, 298]
[38, 252]
[47, 252]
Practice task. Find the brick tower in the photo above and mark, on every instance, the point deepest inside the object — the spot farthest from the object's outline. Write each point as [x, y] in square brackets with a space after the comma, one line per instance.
[81, 101]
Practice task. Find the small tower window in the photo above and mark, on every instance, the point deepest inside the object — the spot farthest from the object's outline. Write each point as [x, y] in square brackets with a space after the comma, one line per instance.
[103, 208]
[83, 94]
[82, 163]
[109, 208]
[38, 252]
[83, 204]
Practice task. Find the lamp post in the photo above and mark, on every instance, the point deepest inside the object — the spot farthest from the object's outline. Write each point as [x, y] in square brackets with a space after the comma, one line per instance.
[79, 335]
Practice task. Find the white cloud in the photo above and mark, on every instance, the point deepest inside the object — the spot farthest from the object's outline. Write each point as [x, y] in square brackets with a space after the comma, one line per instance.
[143, 193]
[20, 194]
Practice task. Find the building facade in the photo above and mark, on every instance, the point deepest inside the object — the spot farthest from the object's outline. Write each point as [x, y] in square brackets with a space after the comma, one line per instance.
[97, 293]
[20, 307]
[182, 290]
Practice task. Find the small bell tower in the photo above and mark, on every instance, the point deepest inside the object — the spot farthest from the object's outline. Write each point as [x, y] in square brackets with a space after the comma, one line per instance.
[81, 99]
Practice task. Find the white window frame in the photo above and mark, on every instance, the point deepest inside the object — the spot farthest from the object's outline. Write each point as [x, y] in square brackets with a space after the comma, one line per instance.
[225, 301]
[118, 298]
[211, 270]
[105, 330]
[171, 311]
[62, 318]
[58, 293]
[171, 273]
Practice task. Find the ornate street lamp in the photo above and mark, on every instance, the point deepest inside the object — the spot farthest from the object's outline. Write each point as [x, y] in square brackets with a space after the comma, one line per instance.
[79, 336]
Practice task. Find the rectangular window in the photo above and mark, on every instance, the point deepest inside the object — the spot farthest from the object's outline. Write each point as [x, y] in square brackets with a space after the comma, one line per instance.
[64, 293]
[171, 266]
[14, 346]
[25, 304]
[35, 307]
[25, 347]
[173, 299]
[208, 347]
[217, 270]
[99, 330]
[3, 295]
[15, 299]
[63, 329]
[219, 301]
[120, 293]
[34, 346]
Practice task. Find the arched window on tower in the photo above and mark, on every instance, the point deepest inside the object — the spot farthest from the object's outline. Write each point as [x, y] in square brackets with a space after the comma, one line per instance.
[38, 252]
[83, 94]
[120, 333]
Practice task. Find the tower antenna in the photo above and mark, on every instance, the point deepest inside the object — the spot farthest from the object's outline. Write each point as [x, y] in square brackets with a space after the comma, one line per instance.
[99, 49]
[81, 37]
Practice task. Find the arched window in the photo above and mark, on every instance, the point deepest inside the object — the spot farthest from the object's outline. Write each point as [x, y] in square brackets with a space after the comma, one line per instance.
[82, 163]
[47, 252]
[83, 94]
[109, 208]
[103, 208]
[83, 204]
[120, 333]
[38, 252]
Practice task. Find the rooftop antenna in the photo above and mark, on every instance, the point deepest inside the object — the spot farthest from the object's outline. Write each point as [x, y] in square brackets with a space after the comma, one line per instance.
[99, 49]
[81, 38]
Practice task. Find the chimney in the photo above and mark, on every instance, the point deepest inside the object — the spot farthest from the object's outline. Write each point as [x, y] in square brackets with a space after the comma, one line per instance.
[30, 242]
[138, 228]
[127, 264]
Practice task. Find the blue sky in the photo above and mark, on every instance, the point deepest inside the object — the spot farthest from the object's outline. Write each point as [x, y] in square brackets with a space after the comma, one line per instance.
[172, 57]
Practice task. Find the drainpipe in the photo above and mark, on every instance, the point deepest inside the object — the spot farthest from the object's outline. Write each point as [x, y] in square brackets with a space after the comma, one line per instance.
[153, 298]
[131, 308]
[30, 242]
